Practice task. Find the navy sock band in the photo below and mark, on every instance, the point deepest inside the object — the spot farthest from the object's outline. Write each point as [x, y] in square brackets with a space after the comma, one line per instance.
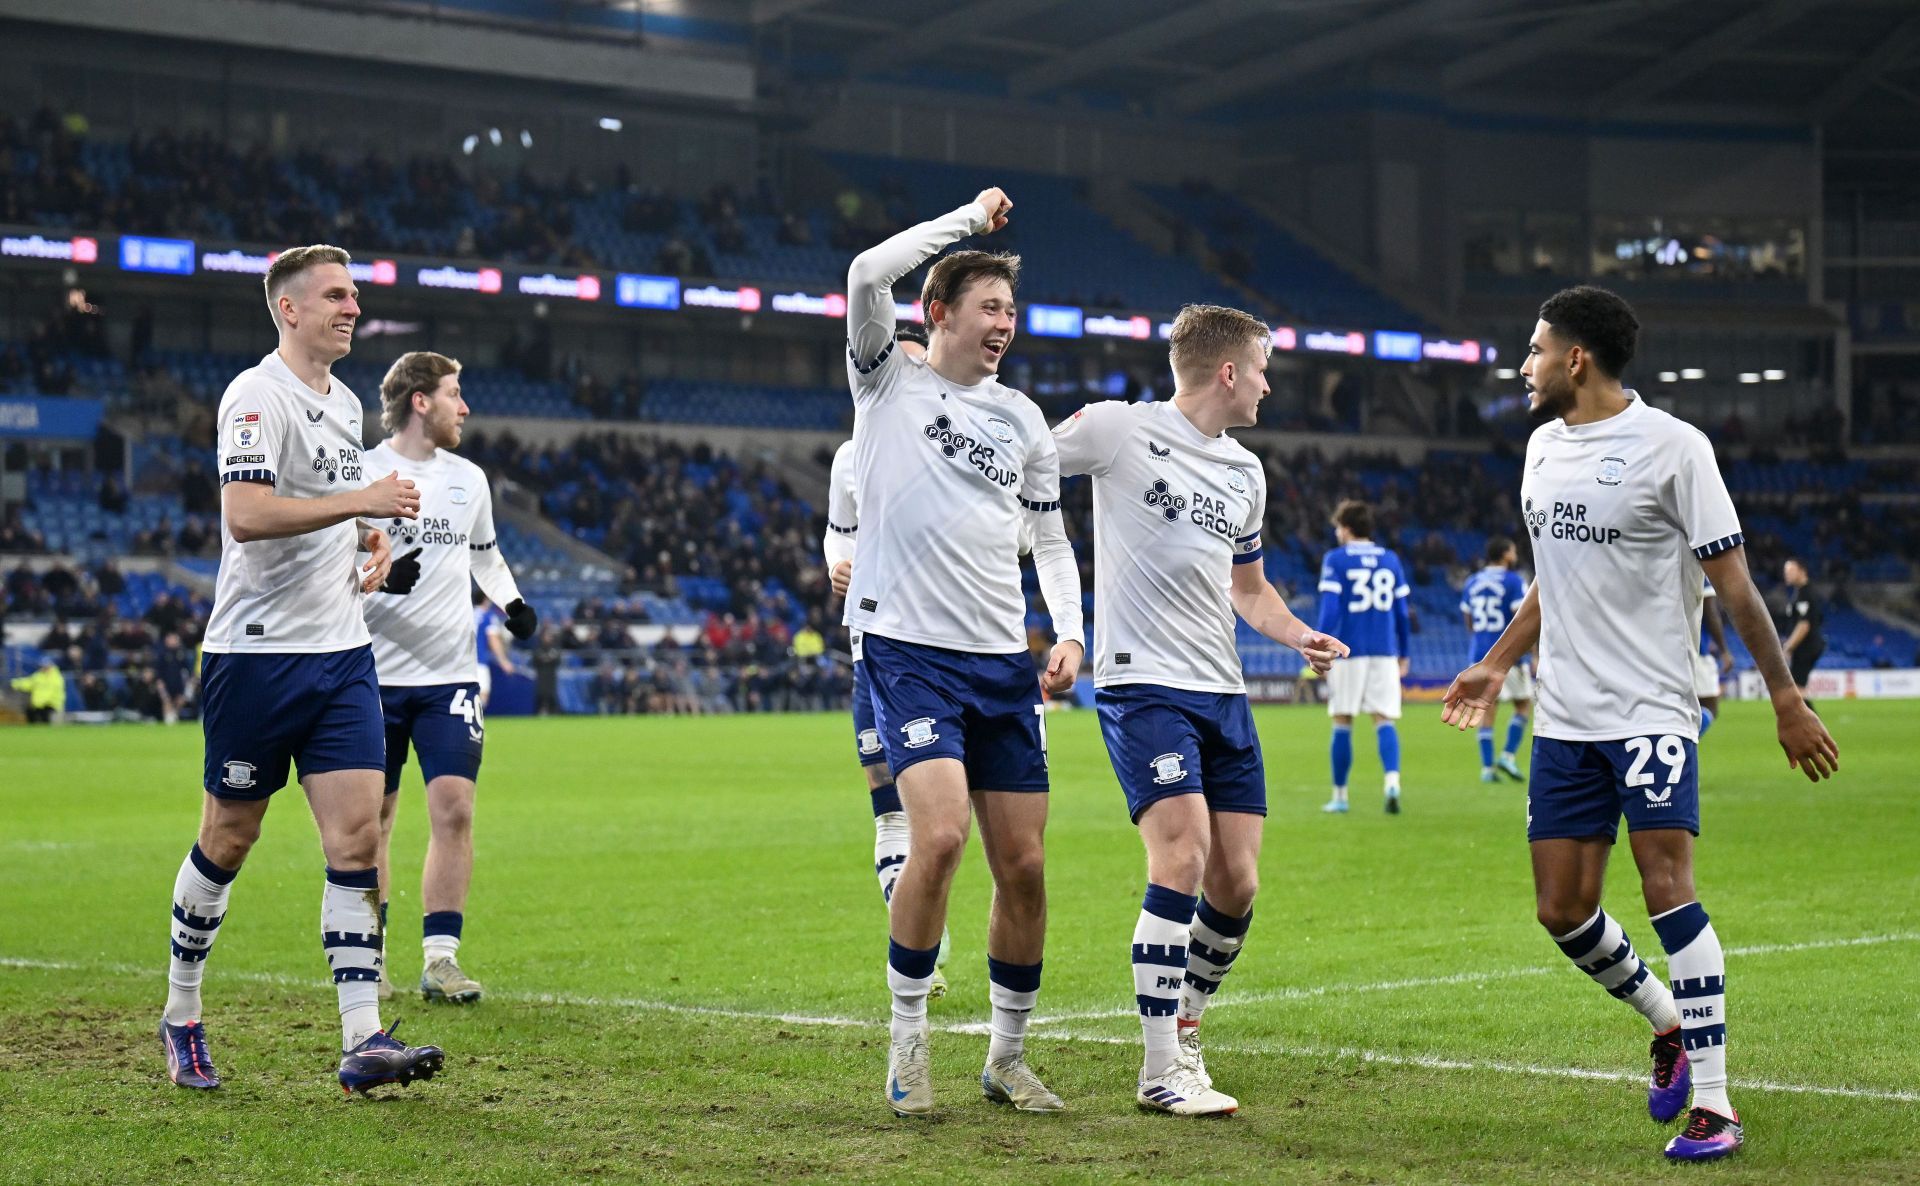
[209, 870]
[1014, 977]
[368, 878]
[1171, 905]
[912, 962]
[1679, 927]
[1223, 924]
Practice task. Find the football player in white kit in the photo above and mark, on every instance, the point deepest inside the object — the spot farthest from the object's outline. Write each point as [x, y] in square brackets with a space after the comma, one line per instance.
[1177, 513]
[1627, 508]
[949, 466]
[423, 645]
[891, 839]
[289, 675]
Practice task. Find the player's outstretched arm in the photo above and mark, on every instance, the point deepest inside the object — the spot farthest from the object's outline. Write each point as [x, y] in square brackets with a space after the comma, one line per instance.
[1810, 748]
[1260, 604]
[253, 511]
[1475, 693]
[870, 281]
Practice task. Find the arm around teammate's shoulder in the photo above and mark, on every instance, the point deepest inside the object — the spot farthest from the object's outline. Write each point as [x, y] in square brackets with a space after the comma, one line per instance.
[1087, 440]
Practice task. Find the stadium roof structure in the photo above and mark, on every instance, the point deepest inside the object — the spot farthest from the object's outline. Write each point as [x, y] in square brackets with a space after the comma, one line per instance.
[1849, 67]
[1824, 62]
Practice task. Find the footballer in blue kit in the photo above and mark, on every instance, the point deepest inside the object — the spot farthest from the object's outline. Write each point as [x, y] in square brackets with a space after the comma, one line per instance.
[1488, 599]
[1363, 602]
[1628, 512]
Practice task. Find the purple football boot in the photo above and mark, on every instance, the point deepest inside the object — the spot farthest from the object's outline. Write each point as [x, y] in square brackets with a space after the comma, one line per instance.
[380, 1060]
[1672, 1077]
[188, 1063]
[1708, 1136]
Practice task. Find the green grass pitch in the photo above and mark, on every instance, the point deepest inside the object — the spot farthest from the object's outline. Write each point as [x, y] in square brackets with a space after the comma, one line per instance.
[683, 944]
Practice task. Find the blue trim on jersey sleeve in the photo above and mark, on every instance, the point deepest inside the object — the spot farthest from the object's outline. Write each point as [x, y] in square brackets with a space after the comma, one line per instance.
[1720, 545]
[873, 366]
[1247, 557]
[250, 475]
[1041, 507]
[488, 546]
[1247, 538]
[831, 525]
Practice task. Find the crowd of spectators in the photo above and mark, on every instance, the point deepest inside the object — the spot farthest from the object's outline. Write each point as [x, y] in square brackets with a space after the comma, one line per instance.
[672, 511]
[728, 536]
[43, 363]
[721, 533]
[733, 666]
[196, 183]
[141, 667]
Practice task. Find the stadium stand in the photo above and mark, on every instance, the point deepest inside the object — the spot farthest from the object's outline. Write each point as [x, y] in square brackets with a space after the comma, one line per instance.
[431, 205]
[1251, 248]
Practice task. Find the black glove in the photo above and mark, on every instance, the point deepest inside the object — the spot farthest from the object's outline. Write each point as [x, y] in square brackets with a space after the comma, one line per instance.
[521, 620]
[404, 574]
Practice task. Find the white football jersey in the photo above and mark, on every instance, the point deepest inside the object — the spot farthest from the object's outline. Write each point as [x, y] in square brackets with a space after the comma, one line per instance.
[1173, 512]
[426, 637]
[300, 594]
[1621, 513]
[843, 514]
[947, 474]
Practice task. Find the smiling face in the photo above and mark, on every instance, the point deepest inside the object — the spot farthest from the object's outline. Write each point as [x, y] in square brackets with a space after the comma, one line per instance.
[975, 329]
[318, 310]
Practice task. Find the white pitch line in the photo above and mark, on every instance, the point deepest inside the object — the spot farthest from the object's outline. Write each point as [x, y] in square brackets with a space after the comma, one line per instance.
[1438, 1063]
[1547, 968]
[975, 1029]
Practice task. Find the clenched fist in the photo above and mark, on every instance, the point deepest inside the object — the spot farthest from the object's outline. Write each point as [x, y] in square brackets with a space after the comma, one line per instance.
[995, 202]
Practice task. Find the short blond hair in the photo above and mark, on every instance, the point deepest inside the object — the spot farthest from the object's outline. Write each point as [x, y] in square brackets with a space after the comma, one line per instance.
[418, 370]
[1204, 336]
[291, 263]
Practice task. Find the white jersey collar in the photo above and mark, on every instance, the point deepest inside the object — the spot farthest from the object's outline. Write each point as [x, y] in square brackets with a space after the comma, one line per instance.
[1635, 408]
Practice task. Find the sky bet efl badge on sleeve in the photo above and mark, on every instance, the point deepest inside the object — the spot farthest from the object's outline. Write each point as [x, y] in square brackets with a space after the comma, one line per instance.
[246, 430]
